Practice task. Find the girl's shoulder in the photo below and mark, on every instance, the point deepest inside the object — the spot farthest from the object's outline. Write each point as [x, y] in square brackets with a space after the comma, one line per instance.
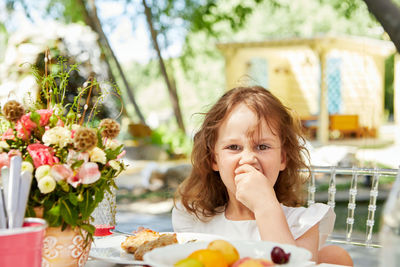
[300, 219]
[315, 210]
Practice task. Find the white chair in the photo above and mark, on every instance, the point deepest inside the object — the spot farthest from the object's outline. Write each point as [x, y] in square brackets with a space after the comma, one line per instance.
[356, 175]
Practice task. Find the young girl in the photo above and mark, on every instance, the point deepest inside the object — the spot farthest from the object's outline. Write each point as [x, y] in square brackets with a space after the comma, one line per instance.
[245, 182]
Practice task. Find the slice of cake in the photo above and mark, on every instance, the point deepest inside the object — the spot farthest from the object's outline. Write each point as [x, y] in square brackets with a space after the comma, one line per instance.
[132, 243]
[162, 241]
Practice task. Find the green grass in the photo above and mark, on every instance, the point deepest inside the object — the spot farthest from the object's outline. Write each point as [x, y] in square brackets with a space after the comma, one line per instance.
[361, 212]
[360, 217]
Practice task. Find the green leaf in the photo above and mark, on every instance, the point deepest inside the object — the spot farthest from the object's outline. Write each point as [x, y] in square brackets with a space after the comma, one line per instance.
[107, 173]
[64, 226]
[113, 184]
[112, 154]
[99, 195]
[35, 117]
[52, 215]
[86, 206]
[100, 139]
[73, 198]
[77, 164]
[88, 228]
[68, 212]
[30, 212]
[53, 221]
[64, 185]
[55, 210]
[47, 202]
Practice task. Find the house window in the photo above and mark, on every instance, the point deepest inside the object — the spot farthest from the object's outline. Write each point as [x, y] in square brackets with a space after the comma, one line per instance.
[258, 72]
[334, 84]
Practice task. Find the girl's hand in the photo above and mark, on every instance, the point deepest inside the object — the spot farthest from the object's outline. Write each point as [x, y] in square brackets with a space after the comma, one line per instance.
[253, 189]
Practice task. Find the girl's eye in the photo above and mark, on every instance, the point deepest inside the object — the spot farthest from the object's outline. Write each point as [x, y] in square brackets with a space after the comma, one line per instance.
[233, 147]
[262, 147]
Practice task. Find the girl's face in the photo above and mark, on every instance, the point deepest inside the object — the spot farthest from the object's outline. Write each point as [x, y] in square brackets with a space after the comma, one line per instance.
[235, 147]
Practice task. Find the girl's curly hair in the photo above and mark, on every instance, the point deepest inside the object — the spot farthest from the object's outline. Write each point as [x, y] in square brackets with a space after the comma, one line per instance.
[203, 193]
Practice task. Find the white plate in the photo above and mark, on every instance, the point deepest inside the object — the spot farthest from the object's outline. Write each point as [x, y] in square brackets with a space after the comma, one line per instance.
[255, 249]
[109, 248]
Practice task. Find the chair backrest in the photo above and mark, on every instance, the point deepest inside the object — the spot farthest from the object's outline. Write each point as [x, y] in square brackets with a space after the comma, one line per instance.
[356, 174]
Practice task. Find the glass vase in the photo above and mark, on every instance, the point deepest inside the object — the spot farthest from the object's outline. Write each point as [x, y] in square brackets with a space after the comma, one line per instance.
[104, 214]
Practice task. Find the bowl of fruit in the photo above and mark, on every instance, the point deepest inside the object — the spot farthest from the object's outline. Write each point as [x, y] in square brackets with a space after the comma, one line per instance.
[223, 253]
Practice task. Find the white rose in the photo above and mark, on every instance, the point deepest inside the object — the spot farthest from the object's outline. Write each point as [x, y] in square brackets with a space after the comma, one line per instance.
[58, 109]
[42, 171]
[115, 165]
[97, 155]
[27, 166]
[47, 184]
[59, 136]
[112, 144]
[75, 127]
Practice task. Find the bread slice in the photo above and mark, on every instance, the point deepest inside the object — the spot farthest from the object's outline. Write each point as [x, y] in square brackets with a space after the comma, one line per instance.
[132, 243]
[162, 241]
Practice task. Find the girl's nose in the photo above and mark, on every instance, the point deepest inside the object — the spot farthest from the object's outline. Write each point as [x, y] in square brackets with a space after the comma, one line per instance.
[248, 157]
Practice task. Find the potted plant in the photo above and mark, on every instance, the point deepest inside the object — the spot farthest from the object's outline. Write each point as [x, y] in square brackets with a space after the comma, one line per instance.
[73, 158]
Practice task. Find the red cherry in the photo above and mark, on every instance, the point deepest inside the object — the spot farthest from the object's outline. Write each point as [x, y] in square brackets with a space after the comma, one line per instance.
[279, 256]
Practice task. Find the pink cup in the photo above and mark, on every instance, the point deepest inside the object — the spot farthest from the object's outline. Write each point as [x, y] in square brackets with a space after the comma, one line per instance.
[22, 246]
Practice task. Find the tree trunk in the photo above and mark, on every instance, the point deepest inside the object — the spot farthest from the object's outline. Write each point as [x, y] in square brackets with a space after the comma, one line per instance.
[171, 88]
[388, 15]
[93, 21]
[89, 22]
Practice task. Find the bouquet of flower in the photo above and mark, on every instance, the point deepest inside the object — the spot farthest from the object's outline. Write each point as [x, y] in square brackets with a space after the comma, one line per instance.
[73, 161]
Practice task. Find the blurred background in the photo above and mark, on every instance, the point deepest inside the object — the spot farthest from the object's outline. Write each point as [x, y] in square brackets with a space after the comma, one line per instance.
[333, 62]
[171, 59]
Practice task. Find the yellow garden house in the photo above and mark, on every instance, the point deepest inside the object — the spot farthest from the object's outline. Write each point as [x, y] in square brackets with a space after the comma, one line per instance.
[351, 69]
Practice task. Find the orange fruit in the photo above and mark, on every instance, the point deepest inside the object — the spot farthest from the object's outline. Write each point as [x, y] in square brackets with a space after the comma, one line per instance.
[209, 258]
[227, 249]
[188, 262]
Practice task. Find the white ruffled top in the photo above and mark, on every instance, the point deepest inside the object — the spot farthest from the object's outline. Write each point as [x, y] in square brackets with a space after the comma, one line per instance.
[300, 220]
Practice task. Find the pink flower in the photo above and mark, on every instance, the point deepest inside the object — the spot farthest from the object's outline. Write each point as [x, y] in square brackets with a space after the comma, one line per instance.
[74, 181]
[60, 123]
[6, 157]
[121, 154]
[26, 122]
[4, 160]
[25, 126]
[73, 133]
[74, 156]
[42, 155]
[45, 115]
[9, 134]
[14, 152]
[61, 172]
[89, 173]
